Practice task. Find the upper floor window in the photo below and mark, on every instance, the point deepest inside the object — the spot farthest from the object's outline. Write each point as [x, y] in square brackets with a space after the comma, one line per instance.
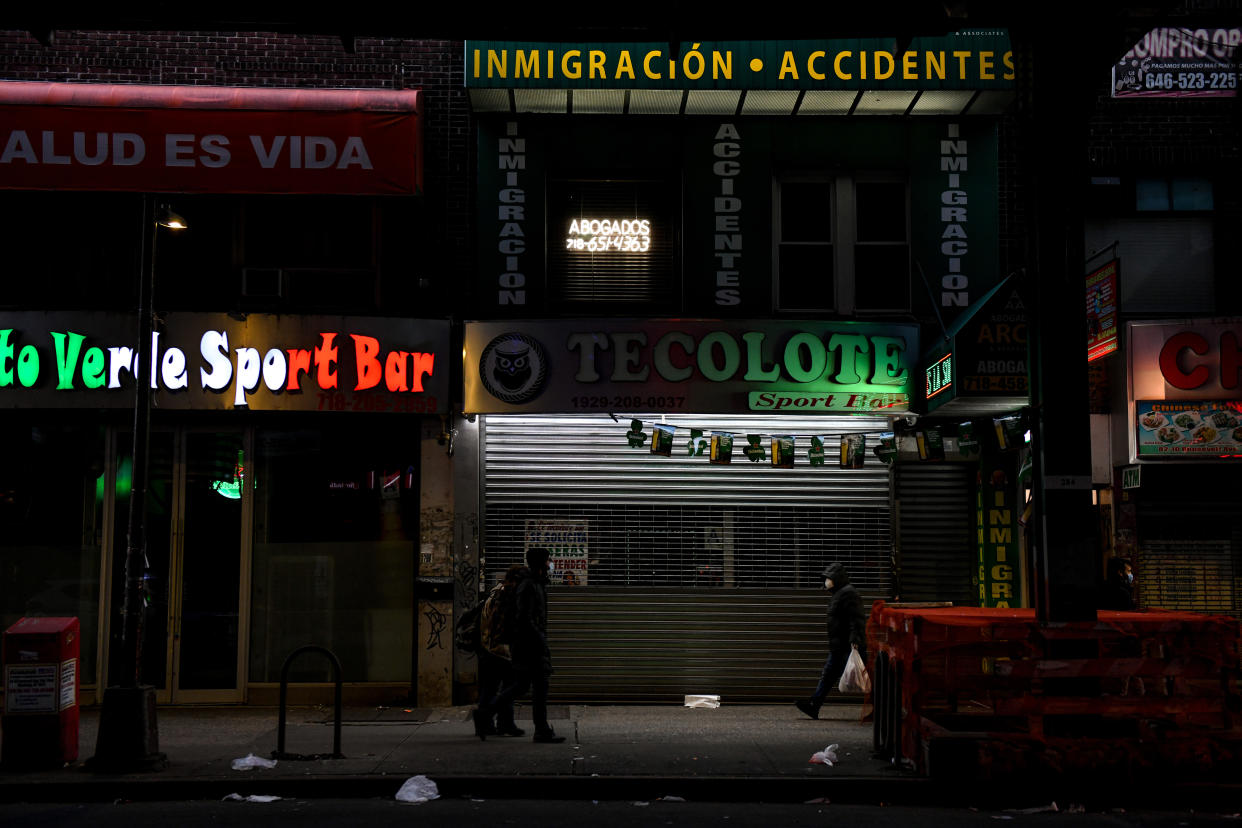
[1162, 229]
[1169, 195]
[612, 244]
[842, 244]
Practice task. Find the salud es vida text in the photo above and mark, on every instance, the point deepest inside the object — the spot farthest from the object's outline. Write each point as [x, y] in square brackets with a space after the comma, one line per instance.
[129, 149]
[79, 367]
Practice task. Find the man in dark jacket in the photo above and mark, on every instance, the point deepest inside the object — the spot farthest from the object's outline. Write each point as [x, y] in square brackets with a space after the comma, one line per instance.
[847, 629]
[1117, 592]
[528, 646]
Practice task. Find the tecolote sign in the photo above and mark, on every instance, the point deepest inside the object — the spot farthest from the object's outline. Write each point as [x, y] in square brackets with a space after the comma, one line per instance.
[215, 361]
[695, 365]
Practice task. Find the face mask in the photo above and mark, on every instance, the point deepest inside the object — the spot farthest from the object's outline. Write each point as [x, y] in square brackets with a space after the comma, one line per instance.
[1129, 577]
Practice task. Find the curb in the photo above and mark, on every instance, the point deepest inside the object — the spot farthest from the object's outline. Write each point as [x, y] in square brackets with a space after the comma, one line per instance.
[907, 791]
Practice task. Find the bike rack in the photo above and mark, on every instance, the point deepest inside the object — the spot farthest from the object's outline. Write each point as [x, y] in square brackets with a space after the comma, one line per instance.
[279, 752]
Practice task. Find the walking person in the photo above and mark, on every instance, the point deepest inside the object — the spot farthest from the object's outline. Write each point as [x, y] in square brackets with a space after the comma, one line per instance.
[530, 656]
[495, 658]
[1117, 591]
[847, 629]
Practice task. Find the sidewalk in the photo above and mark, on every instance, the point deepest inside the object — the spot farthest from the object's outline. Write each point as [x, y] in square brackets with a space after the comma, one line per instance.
[740, 752]
[629, 751]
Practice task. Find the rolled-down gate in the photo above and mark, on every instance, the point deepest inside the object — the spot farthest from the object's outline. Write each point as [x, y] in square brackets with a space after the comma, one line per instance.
[694, 578]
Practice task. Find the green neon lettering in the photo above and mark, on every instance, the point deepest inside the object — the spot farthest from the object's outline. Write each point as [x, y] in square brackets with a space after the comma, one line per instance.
[67, 358]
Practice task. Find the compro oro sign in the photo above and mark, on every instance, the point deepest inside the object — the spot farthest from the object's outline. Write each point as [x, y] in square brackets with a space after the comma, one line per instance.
[695, 365]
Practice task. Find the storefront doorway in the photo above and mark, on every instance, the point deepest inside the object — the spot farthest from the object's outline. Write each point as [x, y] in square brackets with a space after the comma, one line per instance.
[197, 554]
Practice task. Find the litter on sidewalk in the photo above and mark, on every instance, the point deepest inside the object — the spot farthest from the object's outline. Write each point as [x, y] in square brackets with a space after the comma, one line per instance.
[827, 756]
[702, 700]
[418, 789]
[234, 797]
[251, 761]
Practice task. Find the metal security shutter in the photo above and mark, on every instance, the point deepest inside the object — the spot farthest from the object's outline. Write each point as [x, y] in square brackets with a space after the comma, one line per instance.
[935, 532]
[1194, 575]
[1190, 558]
[699, 575]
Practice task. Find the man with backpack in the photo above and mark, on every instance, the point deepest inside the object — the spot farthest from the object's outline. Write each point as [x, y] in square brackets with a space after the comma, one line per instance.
[526, 630]
[495, 659]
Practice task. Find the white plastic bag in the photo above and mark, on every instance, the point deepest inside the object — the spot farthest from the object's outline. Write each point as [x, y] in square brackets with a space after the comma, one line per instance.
[703, 700]
[251, 761]
[418, 789]
[827, 756]
[855, 678]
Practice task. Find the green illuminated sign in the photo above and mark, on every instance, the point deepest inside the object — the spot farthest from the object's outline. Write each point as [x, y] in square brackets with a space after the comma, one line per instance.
[707, 365]
[939, 376]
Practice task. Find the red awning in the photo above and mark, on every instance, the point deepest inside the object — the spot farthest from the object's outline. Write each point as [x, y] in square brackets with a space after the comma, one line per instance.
[145, 96]
[131, 137]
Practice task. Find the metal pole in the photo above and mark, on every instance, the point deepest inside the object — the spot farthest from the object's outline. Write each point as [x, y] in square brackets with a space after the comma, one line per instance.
[136, 545]
[128, 736]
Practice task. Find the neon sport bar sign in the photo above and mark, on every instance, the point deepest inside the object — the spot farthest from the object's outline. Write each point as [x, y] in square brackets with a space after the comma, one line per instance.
[209, 361]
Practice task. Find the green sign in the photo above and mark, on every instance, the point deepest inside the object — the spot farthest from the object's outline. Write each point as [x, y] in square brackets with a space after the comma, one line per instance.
[778, 366]
[939, 377]
[998, 579]
[980, 59]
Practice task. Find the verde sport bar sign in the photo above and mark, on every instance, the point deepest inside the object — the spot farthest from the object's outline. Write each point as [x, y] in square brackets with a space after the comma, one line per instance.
[692, 365]
[978, 59]
[216, 361]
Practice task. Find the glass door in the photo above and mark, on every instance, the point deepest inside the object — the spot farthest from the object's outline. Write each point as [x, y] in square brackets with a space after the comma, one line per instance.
[192, 596]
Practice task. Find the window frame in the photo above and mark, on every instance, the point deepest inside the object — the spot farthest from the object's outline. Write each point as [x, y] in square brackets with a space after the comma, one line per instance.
[842, 188]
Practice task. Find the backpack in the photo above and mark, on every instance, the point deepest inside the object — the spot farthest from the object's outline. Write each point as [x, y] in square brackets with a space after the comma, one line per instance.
[495, 620]
[466, 632]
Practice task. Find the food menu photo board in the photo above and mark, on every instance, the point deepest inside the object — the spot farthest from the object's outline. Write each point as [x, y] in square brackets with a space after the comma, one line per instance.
[1189, 428]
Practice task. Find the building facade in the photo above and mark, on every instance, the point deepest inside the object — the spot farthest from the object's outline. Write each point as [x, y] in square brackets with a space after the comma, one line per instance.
[689, 246]
[299, 368]
[727, 312]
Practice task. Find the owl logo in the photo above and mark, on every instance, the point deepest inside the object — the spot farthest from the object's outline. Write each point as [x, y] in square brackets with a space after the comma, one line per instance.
[514, 368]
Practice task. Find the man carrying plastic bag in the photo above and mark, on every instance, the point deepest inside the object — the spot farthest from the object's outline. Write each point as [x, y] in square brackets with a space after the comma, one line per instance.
[847, 640]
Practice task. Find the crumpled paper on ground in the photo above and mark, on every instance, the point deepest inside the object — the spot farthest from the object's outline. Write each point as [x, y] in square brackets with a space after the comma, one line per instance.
[418, 789]
[827, 756]
[700, 700]
[252, 761]
[252, 798]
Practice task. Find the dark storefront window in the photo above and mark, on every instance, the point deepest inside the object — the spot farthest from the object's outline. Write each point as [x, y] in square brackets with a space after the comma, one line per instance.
[1162, 231]
[286, 254]
[882, 247]
[336, 530]
[70, 250]
[51, 527]
[806, 276]
[842, 244]
[613, 243]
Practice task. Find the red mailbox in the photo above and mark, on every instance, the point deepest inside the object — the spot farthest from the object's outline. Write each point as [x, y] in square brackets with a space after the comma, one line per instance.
[40, 723]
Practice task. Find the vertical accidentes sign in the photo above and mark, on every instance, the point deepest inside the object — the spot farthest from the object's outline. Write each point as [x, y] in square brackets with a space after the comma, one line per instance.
[727, 210]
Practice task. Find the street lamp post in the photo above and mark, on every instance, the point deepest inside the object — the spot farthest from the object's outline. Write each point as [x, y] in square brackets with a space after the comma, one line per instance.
[128, 736]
